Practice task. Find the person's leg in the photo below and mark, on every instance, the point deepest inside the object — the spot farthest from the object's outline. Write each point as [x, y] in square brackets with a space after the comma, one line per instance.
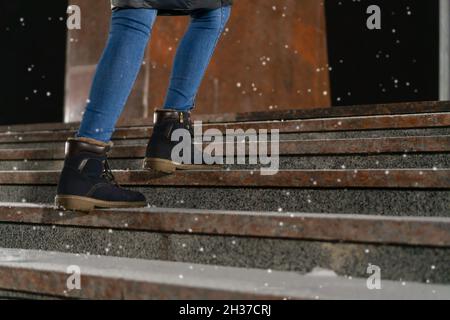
[86, 181]
[191, 61]
[193, 57]
[117, 71]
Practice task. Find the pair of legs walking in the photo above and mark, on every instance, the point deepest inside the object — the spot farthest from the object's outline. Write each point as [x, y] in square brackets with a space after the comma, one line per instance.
[122, 60]
[86, 181]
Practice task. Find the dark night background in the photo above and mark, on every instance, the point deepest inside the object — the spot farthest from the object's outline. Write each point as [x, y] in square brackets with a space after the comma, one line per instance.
[397, 63]
[32, 60]
[400, 62]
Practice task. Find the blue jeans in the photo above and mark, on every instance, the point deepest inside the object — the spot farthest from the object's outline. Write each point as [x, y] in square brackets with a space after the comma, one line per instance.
[123, 57]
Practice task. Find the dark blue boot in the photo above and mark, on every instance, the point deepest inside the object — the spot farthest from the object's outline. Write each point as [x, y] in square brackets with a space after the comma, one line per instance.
[159, 150]
[86, 182]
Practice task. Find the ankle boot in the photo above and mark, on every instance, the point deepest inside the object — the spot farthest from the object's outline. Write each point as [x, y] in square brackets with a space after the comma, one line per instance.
[86, 182]
[159, 150]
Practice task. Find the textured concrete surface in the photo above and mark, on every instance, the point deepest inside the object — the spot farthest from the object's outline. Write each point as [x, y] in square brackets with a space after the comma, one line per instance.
[399, 263]
[15, 295]
[390, 202]
[391, 179]
[107, 277]
[284, 136]
[367, 134]
[355, 201]
[374, 229]
[397, 161]
[59, 144]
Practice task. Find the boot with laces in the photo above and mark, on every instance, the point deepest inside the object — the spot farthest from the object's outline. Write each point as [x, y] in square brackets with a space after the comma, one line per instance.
[87, 182]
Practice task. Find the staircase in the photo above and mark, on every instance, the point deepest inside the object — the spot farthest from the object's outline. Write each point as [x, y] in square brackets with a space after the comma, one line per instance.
[358, 186]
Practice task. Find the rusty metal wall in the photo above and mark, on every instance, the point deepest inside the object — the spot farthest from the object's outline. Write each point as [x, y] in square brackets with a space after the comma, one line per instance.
[272, 56]
[84, 48]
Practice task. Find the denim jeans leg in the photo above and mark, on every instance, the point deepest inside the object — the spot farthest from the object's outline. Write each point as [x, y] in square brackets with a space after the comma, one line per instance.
[193, 57]
[117, 71]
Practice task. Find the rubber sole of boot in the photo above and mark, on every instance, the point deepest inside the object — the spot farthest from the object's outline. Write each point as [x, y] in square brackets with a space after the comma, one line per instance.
[77, 203]
[167, 166]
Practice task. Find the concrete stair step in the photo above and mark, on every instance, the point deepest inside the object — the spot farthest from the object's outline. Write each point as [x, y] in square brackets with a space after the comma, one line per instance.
[369, 134]
[315, 136]
[333, 112]
[391, 202]
[121, 278]
[405, 248]
[334, 127]
[330, 136]
[61, 144]
[418, 231]
[414, 144]
[391, 161]
[399, 192]
[272, 115]
[334, 179]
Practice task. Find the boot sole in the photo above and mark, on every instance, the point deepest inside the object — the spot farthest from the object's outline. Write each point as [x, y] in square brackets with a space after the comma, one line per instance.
[167, 166]
[77, 203]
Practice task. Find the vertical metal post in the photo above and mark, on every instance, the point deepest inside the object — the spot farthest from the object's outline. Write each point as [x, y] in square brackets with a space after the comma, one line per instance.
[444, 53]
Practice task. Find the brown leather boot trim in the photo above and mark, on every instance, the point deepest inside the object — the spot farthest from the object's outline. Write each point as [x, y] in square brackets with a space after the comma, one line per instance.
[77, 145]
[93, 141]
[166, 114]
